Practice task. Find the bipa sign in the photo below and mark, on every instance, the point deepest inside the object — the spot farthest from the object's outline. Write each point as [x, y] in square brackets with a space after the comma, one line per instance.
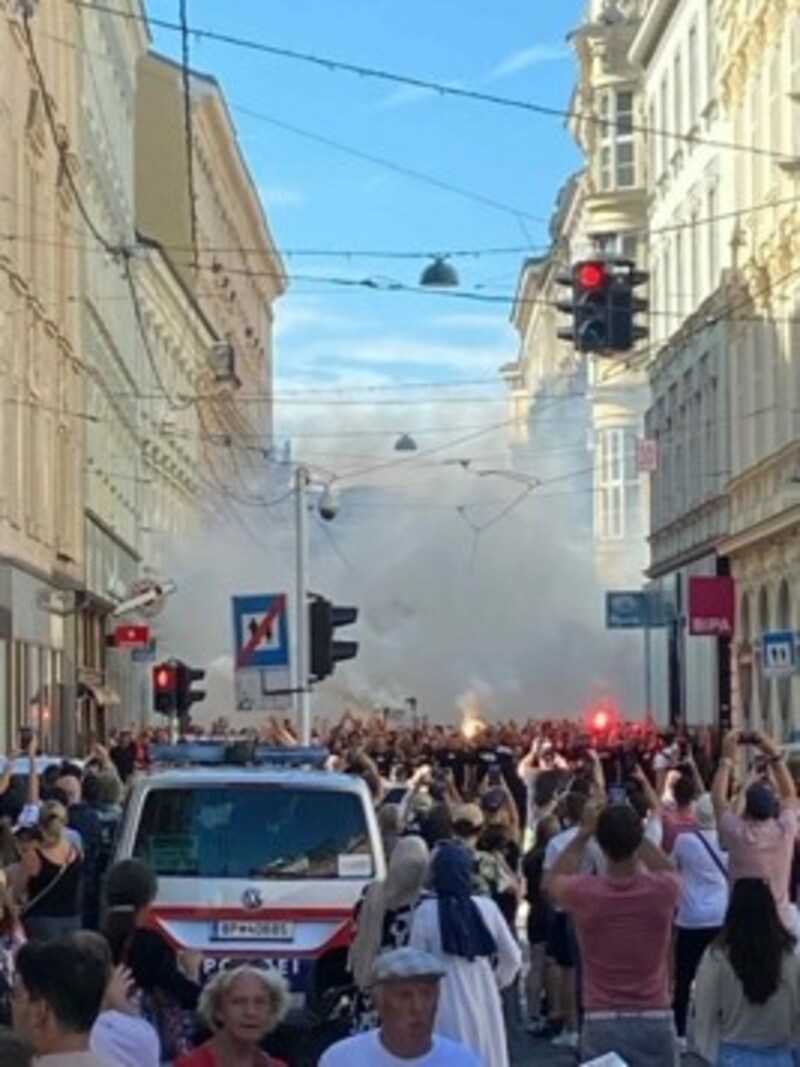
[712, 607]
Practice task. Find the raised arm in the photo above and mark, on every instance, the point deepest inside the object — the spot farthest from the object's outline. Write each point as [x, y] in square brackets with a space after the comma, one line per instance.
[720, 787]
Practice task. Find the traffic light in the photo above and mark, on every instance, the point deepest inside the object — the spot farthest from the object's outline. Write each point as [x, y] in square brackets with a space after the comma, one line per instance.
[187, 696]
[589, 281]
[603, 305]
[165, 688]
[324, 619]
[624, 306]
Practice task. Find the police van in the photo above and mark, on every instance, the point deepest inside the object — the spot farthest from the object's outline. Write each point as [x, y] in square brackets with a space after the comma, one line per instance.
[260, 856]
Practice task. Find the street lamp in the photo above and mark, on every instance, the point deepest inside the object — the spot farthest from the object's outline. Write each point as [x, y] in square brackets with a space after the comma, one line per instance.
[439, 275]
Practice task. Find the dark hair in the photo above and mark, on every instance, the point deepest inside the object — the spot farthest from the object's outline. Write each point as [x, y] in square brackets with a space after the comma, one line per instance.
[70, 770]
[684, 791]
[546, 829]
[755, 939]
[437, 825]
[619, 831]
[130, 886]
[574, 803]
[67, 977]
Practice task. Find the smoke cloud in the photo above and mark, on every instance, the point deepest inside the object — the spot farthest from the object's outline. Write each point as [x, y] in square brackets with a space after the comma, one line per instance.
[466, 580]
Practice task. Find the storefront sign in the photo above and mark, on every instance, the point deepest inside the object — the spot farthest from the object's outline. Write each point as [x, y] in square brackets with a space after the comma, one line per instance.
[712, 606]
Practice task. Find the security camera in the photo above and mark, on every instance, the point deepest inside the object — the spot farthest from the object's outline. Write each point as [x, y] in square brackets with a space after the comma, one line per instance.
[328, 506]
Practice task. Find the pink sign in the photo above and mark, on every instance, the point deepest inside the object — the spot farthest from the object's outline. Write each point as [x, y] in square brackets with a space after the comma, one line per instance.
[712, 607]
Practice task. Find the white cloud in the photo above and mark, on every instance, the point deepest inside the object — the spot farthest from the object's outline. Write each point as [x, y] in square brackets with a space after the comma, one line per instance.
[526, 58]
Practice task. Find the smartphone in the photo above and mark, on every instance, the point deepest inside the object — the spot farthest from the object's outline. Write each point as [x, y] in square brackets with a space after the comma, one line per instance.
[495, 776]
[25, 737]
[617, 794]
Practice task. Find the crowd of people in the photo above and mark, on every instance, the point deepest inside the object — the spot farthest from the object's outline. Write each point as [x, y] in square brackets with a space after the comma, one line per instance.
[632, 891]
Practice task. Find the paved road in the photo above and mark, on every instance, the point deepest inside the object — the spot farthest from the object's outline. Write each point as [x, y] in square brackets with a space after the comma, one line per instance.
[527, 1050]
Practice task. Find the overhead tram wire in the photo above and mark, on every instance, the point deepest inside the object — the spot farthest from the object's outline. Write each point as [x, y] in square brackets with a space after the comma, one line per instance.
[440, 88]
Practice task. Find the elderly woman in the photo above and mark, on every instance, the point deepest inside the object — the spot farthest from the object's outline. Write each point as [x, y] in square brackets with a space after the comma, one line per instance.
[241, 1007]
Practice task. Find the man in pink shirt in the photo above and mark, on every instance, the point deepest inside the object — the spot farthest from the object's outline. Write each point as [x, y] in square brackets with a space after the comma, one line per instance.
[623, 921]
[760, 842]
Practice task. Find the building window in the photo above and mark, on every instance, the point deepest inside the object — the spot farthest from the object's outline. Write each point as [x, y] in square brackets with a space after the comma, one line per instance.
[663, 133]
[680, 274]
[776, 99]
[617, 152]
[713, 230]
[711, 53]
[695, 274]
[617, 484]
[677, 98]
[756, 137]
[693, 72]
[794, 60]
[653, 141]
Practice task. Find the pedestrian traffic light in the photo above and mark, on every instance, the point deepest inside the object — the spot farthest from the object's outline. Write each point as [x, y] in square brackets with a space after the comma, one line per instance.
[165, 688]
[324, 619]
[602, 305]
[186, 696]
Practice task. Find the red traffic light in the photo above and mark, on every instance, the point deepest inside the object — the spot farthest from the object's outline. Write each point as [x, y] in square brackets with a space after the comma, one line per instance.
[164, 678]
[591, 275]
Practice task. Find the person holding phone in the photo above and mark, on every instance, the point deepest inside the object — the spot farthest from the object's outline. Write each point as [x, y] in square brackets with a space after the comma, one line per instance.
[760, 841]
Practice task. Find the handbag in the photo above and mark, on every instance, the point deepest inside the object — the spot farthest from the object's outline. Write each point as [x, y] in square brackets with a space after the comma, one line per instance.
[712, 853]
[174, 1025]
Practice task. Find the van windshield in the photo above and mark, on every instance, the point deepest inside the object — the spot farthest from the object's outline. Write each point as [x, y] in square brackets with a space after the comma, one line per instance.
[262, 831]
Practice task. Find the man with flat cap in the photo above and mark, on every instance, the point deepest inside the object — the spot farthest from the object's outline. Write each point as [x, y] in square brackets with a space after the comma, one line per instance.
[405, 991]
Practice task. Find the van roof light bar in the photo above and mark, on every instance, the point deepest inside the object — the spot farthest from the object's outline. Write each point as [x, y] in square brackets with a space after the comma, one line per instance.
[239, 753]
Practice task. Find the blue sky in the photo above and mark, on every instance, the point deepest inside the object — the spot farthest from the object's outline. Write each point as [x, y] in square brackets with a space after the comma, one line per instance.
[317, 197]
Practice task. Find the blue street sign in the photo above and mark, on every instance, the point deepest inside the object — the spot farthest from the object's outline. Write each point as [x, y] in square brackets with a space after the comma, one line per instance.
[626, 610]
[778, 653]
[260, 631]
[637, 609]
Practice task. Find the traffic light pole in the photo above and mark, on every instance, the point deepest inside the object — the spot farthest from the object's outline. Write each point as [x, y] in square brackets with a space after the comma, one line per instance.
[302, 687]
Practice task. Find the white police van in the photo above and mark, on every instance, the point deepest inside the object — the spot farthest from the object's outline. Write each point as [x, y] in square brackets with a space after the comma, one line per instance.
[259, 857]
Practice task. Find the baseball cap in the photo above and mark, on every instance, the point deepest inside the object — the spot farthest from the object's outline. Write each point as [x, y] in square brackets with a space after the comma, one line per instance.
[404, 963]
[470, 814]
[493, 799]
[760, 802]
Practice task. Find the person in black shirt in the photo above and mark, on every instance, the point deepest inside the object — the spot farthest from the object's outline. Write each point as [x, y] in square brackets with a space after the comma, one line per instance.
[540, 916]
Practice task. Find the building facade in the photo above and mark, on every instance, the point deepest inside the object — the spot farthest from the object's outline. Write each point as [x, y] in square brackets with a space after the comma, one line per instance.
[126, 369]
[41, 373]
[759, 79]
[690, 250]
[221, 246]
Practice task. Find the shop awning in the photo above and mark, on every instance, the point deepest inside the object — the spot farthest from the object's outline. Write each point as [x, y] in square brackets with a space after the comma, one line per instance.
[102, 695]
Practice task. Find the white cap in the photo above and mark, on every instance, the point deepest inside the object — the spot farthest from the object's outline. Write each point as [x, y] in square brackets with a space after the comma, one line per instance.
[404, 963]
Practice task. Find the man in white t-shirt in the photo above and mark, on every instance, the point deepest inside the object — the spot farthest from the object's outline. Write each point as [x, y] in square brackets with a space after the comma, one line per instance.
[405, 991]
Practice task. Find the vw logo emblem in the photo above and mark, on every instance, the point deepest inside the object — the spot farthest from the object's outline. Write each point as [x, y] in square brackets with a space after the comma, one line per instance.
[252, 898]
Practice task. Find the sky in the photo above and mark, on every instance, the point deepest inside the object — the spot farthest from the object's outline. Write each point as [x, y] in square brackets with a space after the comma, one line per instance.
[318, 197]
[464, 583]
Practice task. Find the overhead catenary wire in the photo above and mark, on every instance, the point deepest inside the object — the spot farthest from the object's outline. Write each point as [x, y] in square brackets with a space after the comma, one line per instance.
[444, 89]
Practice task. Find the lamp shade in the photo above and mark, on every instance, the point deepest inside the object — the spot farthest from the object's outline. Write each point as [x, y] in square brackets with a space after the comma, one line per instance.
[439, 275]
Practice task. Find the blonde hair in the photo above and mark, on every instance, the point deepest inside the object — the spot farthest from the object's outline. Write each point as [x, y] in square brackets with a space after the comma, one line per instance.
[215, 990]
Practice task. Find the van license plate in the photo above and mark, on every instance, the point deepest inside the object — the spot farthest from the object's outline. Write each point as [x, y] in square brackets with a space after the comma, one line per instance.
[252, 930]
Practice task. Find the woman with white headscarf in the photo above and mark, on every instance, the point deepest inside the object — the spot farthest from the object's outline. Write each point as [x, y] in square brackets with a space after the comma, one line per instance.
[383, 919]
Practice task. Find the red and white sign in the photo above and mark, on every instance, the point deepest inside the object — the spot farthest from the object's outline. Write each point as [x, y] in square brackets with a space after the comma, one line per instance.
[712, 607]
[132, 637]
[646, 455]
